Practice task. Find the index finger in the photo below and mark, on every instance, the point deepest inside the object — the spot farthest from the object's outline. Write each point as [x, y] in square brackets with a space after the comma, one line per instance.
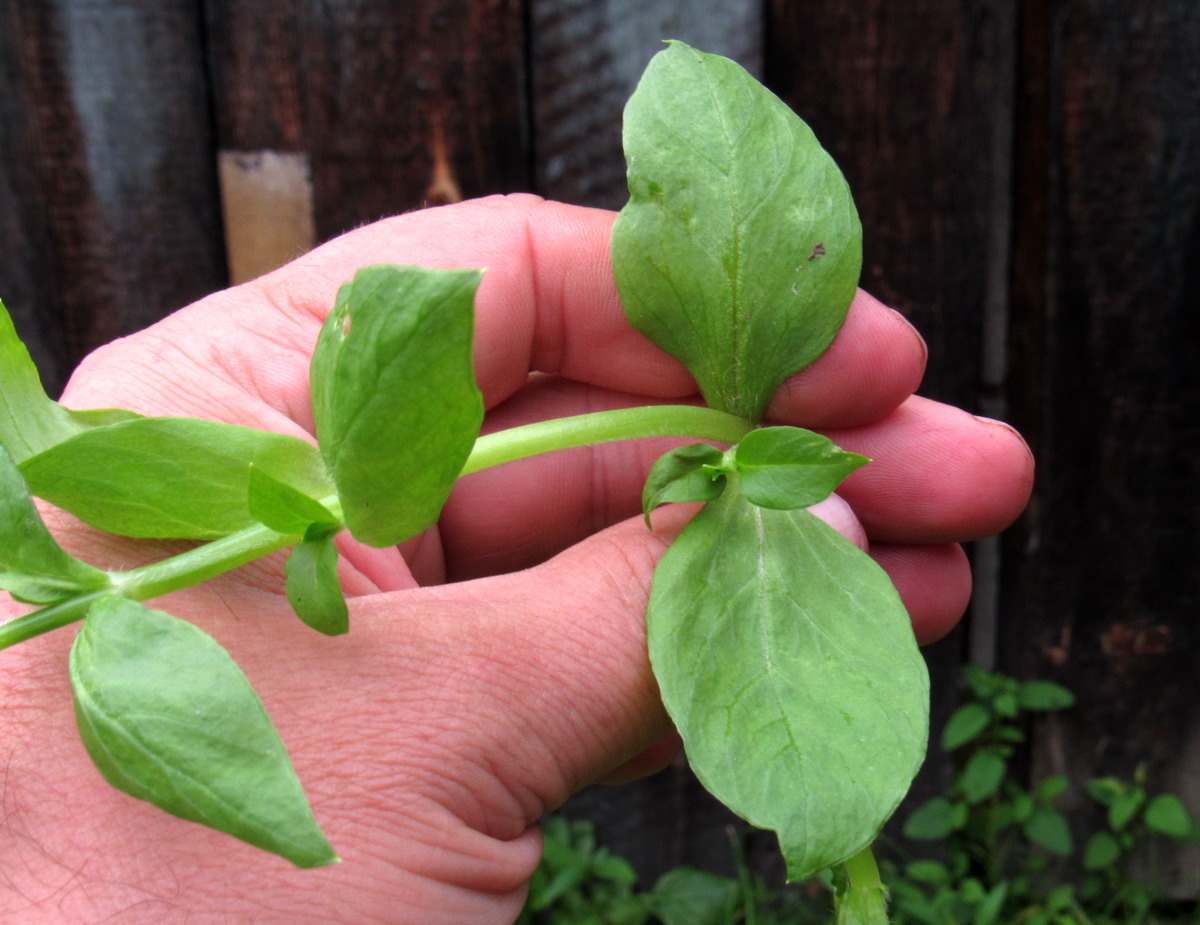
[547, 303]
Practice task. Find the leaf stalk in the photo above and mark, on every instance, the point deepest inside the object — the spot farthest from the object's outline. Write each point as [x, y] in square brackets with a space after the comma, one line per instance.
[254, 542]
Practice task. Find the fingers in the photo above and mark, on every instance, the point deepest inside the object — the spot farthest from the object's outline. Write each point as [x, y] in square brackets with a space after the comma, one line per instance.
[547, 303]
[934, 581]
[938, 474]
[873, 365]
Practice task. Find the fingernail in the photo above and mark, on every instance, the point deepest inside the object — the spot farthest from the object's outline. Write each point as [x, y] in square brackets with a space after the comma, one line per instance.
[995, 422]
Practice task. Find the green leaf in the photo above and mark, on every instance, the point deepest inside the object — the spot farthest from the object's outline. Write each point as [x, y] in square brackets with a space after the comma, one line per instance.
[1122, 810]
[1048, 788]
[1061, 898]
[686, 473]
[685, 896]
[1048, 827]
[982, 775]
[989, 909]
[394, 396]
[31, 421]
[931, 820]
[1167, 815]
[932, 872]
[788, 663]
[169, 477]
[169, 718]
[281, 507]
[984, 684]
[1044, 695]
[33, 567]
[1006, 705]
[1101, 851]
[1104, 790]
[789, 467]
[964, 725]
[614, 869]
[740, 247]
[1022, 804]
[312, 584]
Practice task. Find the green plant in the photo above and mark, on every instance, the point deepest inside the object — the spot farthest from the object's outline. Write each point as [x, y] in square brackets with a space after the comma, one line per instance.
[578, 883]
[739, 253]
[1009, 849]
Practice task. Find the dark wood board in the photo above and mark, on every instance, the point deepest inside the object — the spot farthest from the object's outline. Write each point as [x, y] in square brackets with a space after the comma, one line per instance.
[110, 212]
[396, 108]
[1099, 587]
[585, 61]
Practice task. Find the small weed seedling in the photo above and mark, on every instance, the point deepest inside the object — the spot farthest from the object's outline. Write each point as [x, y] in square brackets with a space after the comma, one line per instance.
[783, 652]
[1009, 850]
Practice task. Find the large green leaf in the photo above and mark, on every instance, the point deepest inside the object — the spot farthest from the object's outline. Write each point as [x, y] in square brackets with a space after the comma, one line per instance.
[169, 718]
[169, 477]
[33, 567]
[394, 396]
[789, 666]
[740, 247]
[30, 421]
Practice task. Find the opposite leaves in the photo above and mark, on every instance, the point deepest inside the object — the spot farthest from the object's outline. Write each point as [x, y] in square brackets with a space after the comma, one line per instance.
[169, 718]
[740, 248]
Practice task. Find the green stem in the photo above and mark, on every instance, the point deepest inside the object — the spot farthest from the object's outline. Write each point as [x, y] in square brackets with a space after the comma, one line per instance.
[603, 427]
[863, 872]
[861, 900]
[212, 559]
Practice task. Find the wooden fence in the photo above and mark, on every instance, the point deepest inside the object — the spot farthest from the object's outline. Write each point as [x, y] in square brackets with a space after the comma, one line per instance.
[1028, 175]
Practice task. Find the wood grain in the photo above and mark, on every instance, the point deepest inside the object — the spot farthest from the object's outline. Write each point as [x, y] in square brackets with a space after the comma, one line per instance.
[395, 109]
[586, 59]
[111, 214]
[1099, 589]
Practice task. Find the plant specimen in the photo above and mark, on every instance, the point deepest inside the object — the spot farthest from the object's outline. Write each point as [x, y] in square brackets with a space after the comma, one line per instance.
[782, 651]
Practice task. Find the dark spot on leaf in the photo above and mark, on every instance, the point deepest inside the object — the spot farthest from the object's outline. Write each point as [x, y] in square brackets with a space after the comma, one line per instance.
[817, 251]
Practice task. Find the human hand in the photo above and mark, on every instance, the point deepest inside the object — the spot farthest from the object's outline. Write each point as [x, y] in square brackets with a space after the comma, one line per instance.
[470, 697]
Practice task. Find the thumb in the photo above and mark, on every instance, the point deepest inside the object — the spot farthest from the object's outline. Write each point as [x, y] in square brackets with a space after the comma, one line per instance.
[546, 670]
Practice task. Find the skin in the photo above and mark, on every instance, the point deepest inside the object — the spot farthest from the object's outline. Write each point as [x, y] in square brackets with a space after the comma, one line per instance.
[496, 664]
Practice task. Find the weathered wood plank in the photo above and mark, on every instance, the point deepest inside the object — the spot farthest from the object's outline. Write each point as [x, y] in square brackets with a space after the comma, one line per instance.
[1100, 587]
[106, 171]
[586, 60]
[267, 203]
[395, 108]
[913, 101]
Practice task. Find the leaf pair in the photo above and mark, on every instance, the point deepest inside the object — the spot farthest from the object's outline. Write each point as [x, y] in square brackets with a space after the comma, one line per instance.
[163, 710]
[394, 399]
[777, 467]
[783, 653]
